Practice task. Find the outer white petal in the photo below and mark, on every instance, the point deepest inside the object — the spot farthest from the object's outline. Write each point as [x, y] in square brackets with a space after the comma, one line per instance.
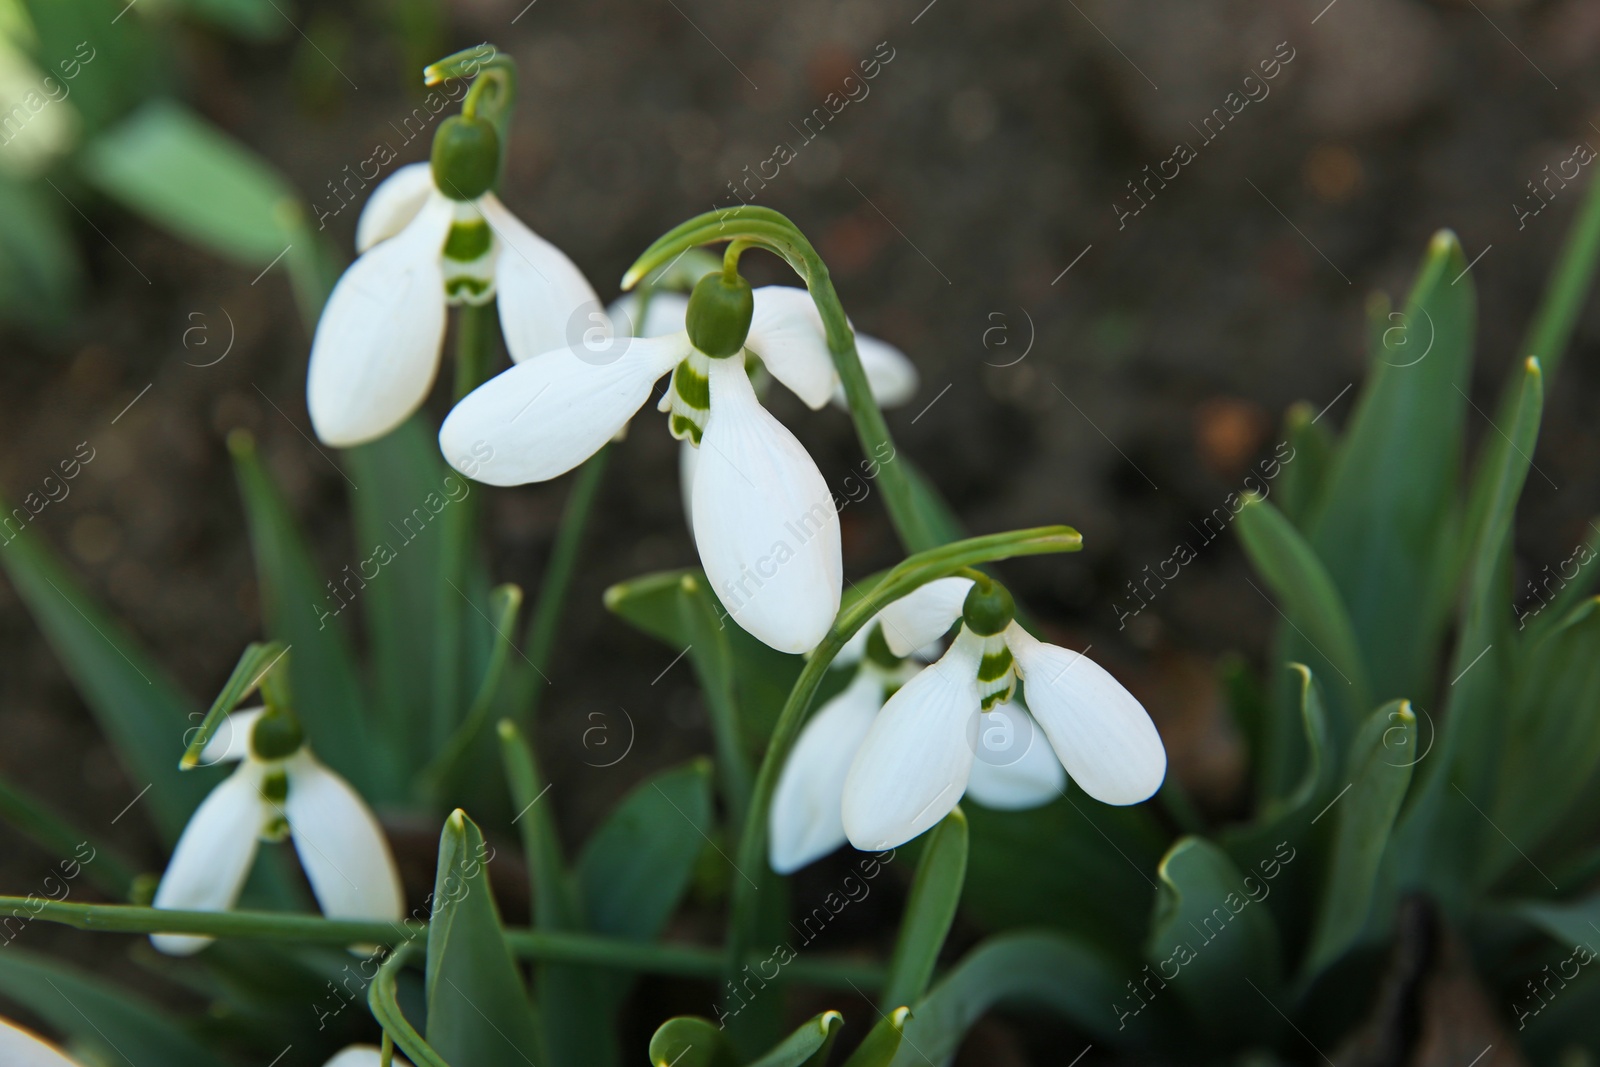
[786, 332]
[363, 1056]
[231, 740]
[342, 848]
[393, 204]
[805, 823]
[764, 520]
[891, 376]
[23, 1048]
[1101, 733]
[545, 301]
[376, 348]
[213, 856]
[924, 615]
[914, 764]
[544, 417]
[1015, 766]
[688, 463]
[666, 312]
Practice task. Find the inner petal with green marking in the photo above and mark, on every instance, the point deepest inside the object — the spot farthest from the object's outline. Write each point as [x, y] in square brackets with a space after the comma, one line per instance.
[997, 672]
[688, 397]
[468, 257]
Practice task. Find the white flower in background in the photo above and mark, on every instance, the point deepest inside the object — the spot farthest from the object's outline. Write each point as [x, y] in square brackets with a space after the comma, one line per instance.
[916, 760]
[364, 1056]
[763, 518]
[1013, 769]
[431, 235]
[279, 790]
[24, 1048]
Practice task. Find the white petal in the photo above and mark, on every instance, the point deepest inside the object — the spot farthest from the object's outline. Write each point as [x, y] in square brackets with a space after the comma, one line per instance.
[545, 301]
[666, 312]
[231, 739]
[393, 204]
[23, 1048]
[544, 417]
[914, 764]
[688, 463]
[924, 615]
[764, 520]
[1101, 733]
[376, 348]
[364, 1056]
[341, 846]
[891, 376]
[1015, 766]
[213, 856]
[806, 823]
[786, 332]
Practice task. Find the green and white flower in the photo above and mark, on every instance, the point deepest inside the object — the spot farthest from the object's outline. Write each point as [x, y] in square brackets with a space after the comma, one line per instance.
[917, 758]
[432, 235]
[364, 1056]
[279, 790]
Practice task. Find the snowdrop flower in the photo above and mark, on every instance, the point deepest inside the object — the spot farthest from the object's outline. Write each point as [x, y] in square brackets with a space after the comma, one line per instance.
[24, 1048]
[917, 757]
[432, 235]
[1014, 767]
[279, 790]
[763, 518]
[363, 1056]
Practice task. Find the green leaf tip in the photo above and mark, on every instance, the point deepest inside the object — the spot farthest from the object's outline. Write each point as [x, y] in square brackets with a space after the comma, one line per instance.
[1444, 243]
[829, 1020]
[241, 443]
[506, 729]
[899, 1017]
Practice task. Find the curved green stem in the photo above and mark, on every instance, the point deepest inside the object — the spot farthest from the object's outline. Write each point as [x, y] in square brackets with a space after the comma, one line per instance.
[759, 227]
[385, 1007]
[916, 571]
[494, 86]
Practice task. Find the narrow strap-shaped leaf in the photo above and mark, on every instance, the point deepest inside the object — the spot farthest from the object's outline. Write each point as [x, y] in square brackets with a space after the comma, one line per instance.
[690, 1041]
[878, 1048]
[504, 603]
[1539, 616]
[98, 1015]
[295, 606]
[104, 865]
[713, 663]
[254, 662]
[808, 1046]
[1378, 768]
[1286, 817]
[478, 1009]
[1312, 603]
[930, 909]
[1302, 473]
[137, 705]
[1210, 934]
[384, 1002]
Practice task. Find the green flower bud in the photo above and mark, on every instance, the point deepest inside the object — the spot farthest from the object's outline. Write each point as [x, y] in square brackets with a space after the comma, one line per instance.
[719, 314]
[988, 609]
[466, 157]
[277, 735]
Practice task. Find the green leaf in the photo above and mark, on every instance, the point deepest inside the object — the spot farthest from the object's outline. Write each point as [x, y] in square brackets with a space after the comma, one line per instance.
[1378, 768]
[1305, 470]
[135, 703]
[504, 603]
[878, 1048]
[299, 613]
[1213, 932]
[39, 268]
[184, 174]
[712, 655]
[935, 513]
[254, 19]
[808, 1046]
[1288, 816]
[478, 1010]
[253, 665]
[929, 911]
[1388, 505]
[102, 1018]
[105, 866]
[1539, 618]
[1312, 605]
[1565, 292]
[690, 1041]
[384, 1001]
[1043, 970]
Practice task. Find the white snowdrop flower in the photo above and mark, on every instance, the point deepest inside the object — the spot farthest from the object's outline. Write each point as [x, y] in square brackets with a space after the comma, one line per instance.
[23, 1048]
[1014, 767]
[763, 518]
[432, 235]
[364, 1056]
[917, 758]
[279, 790]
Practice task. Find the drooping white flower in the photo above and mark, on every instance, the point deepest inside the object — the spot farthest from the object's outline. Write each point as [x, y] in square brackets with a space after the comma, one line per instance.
[917, 758]
[364, 1056]
[1013, 767]
[20, 1047]
[763, 518]
[432, 235]
[279, 790]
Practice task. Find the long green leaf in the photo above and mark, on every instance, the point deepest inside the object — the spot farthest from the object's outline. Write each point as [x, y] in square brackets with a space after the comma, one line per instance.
[878, 1048]
[384, 1001]
[929, 911]
[1305, 470]
[99, 1016]
[713, 663]
[807, 1046]
[105, 866]
[1378, 768]
[504, 603]
[690, 1041]
[254, 662]
[478, 1010]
